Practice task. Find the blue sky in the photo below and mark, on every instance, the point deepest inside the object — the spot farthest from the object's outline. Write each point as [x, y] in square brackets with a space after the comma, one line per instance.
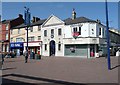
[63, 10]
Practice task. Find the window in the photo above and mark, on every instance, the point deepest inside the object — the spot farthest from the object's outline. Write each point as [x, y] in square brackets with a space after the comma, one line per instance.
[6, 36]
[79, 30]
[59, 32]
[45, 32]
[31, 38]
[31, 29]
[103, 32]
[11, 39]
[11, 31]
[59, 46]
[52, 31]
[45, 46]
[18, 39]
[18, 31]
[7, 26]
[39, 28]
[75, 29]
[99, 31]
[39, 37]
[92, 31]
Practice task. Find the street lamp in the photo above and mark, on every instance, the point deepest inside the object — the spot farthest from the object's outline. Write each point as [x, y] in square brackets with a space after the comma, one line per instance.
[108, 37]
[27, 22]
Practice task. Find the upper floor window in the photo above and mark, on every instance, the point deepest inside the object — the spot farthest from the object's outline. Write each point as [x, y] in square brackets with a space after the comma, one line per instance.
[79, 30]
[11, 31]
[18, 31]
[103, 32]
[7, 26]
[6, 36]
[52, 31]
[59, 31]
[92, 31]
[11, 39]
[45, 33]
[39, 28]
[31, 29]
[31, 38]
[75, 29]
[18, 39]
[39, 37]
[99, 31]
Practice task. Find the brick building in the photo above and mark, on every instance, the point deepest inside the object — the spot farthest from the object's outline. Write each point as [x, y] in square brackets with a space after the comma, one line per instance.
[5, 31]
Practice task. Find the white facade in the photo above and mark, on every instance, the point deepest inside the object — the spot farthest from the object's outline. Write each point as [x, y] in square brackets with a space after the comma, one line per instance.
[91, 35]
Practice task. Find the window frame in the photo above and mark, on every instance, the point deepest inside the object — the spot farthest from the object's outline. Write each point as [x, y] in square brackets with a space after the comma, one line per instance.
[59, 31]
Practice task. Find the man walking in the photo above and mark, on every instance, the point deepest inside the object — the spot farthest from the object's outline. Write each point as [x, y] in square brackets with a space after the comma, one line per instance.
[26, 56]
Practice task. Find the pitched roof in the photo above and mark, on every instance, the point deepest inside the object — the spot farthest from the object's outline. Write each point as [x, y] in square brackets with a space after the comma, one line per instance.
[77, 20]
[40, 22]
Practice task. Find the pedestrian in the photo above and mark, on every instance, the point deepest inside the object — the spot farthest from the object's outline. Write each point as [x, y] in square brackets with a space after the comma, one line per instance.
[2, 55]
[26, 56]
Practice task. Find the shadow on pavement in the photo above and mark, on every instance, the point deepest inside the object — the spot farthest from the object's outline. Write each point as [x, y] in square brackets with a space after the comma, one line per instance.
[51, 81]
[115, 67]
[9, 68]
[13, 82]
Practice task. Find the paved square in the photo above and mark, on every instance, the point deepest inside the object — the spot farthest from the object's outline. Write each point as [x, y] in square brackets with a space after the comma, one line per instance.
[60, 70]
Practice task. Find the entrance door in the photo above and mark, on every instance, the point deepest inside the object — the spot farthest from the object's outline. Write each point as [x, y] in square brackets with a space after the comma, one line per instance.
[52, 48]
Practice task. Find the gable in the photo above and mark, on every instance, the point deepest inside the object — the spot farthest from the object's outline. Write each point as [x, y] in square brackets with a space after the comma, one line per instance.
[52, 20]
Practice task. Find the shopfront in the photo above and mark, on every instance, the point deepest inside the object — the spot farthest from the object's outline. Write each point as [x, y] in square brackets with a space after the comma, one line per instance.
[17, 48]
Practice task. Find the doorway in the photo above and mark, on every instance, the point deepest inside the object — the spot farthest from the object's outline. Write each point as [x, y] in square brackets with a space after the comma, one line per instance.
[52, 48]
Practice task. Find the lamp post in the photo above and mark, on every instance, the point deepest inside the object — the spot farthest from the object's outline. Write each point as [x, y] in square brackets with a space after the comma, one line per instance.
[27, 22]
[2, 52]
[108, 37]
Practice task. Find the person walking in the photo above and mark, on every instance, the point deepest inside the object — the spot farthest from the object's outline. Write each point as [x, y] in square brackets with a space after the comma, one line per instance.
[26, 56]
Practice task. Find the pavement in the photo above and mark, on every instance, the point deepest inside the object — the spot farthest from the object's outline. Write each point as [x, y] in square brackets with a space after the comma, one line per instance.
[60, 71]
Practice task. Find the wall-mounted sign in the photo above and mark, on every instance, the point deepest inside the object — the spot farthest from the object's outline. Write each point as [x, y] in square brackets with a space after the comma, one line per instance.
[16, 45]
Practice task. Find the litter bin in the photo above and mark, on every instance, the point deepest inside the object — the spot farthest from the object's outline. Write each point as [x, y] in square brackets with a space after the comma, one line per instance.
[31, 55]
[37, 56]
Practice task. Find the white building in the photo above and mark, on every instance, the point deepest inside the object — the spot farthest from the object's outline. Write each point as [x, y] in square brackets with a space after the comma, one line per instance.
[58, 40]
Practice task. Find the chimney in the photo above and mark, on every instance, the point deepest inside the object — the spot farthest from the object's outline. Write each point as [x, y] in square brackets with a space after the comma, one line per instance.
[73, 14]
[20, 15]
[35, 19]
[98, 21]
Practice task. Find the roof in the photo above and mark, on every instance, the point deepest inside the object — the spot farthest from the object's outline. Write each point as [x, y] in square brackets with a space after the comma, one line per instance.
[6, 21]
[40, 22]
[69, 21]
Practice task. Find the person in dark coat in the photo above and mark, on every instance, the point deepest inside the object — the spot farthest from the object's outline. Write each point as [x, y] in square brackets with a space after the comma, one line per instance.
[26, 56]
